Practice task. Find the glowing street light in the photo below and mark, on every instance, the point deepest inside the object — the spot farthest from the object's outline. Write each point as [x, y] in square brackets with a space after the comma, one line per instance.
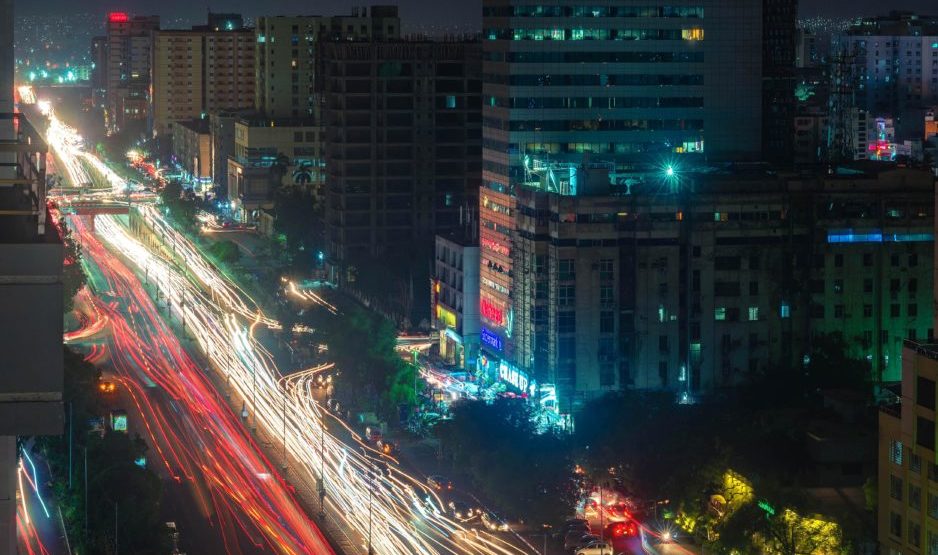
[669, 171]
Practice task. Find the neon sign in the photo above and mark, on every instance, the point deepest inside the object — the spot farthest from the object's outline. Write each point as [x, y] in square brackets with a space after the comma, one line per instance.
[512, 376]
[491, 312]
[491, 339]
[495, 246]
[118, 17]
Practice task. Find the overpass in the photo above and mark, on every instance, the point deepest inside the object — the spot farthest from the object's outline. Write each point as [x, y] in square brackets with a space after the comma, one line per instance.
[92, 208]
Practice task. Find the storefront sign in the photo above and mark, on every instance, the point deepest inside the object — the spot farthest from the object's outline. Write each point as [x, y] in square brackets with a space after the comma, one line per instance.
[491, 339]
[512, 376]
[491, 312]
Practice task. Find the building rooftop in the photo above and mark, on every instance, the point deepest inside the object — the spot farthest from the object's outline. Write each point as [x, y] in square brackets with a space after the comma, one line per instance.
[198, 125]
[896, 23]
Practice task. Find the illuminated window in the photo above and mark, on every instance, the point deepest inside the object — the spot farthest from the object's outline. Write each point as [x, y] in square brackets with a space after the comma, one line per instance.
[719, 313]
[785, 310]
[753, 313]
[695, 33]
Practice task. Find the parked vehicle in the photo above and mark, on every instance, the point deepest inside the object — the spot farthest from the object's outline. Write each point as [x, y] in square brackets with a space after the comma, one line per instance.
[595, 548]
[576, 538]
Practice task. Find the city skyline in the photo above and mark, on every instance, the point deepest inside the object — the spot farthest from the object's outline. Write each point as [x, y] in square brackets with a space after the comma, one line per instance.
[418, 13]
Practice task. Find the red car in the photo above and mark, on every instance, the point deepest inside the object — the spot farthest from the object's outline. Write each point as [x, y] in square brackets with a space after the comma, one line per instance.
[622, 529]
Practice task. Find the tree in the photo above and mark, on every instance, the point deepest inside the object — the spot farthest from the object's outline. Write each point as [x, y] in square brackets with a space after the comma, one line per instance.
[182, 210]
[225, 251]
[533, 482]
[73, 277]
[296, 217]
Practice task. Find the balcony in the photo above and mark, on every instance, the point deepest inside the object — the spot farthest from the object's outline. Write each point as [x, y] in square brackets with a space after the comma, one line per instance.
[31, 257]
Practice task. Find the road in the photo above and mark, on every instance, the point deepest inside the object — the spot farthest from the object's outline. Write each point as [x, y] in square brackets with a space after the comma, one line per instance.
[222, 320]
[195, 438]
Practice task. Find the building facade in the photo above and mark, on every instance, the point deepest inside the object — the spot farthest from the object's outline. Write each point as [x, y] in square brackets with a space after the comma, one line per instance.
[455, 298]
[31, 260]
[269, 153]
[192, 151]
[624, 90]
[286, 46]
[403, 145]
[99, 72]
[697, 285]
[200, 71]
[908, 464]
[894, 63]
[128, 67]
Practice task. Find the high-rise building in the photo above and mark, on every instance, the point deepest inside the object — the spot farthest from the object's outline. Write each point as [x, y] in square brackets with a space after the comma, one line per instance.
[403, 124]
[201, 70]
[99, 71]
[894, 63]
[778, 80]
[128, 67]
[286, 55]
[612, 92]
[31, 258]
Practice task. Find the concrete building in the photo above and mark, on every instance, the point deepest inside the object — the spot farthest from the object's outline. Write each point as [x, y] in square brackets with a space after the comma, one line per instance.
[99, 72]
[222, 132]
[807, 53]
[403, 145]
[778, 80]
[908, 473]
[200, 71]
[691, 286]
[286, 55]
[625, 89]
[455, 298]
[810, 140]
[31, 257]
[269, 153]
[894, 61]
[128, 67]
[192, 150]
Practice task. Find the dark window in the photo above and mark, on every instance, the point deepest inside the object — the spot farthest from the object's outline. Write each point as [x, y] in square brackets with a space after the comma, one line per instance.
[867, 285]
[606, 322]
[867, 311]
[913, 260]
[753, 287]
[838, 261]
[894, 310]
[925, 393]
[867, 259]
[925, 433]
[912, 310]
[663, 343]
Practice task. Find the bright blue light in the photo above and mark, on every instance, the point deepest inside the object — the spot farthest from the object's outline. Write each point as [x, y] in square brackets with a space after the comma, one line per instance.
[877, 236]
[669, 171]
[321, 256]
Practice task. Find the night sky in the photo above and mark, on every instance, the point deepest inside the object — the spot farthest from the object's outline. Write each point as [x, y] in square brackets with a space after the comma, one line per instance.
[445, 13]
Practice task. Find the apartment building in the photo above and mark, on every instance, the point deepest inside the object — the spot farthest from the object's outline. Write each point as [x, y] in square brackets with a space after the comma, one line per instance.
[403, 123]
[192, 151]
[455, 298]
[285, 53]
[129, 39]
[202, 70]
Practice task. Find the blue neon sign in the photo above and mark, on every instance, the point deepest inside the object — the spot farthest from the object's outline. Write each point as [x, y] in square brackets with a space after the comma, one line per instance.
[491, 339]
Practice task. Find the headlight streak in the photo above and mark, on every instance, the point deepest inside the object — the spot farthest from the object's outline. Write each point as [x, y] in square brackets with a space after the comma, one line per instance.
[222, 330]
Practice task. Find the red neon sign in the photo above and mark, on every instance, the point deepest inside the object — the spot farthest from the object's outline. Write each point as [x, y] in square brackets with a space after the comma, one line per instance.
[491, 312]
[495, 246]
[118, 17]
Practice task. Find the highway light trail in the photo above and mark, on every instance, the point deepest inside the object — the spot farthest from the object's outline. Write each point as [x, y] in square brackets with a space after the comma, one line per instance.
[196, 437]
[405, 517]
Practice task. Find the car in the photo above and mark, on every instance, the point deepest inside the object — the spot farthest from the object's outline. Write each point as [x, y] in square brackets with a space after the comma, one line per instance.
[596, 548]
[461, 511]
[387, 447]
[494, 523]
[372, 434]
[576, 538]
[622, 529]
[438, 482]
